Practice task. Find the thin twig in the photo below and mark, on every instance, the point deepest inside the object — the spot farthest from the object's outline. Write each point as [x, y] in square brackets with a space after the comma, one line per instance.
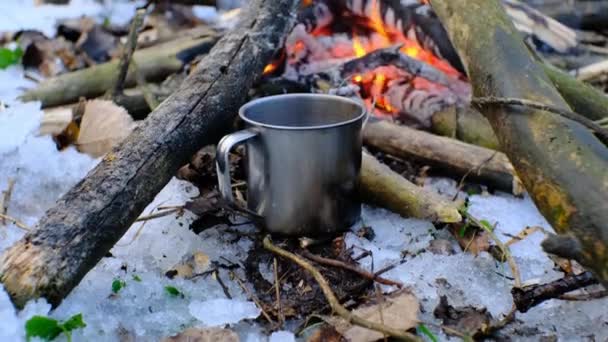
[333, 300]
[505, 249]
[16, 222]
[352, 268]
[6, 197]
[277, 281]
[476, 169]
[160, 214]
[130, 46]
[590, 124]
[252, 297]
[221, 282]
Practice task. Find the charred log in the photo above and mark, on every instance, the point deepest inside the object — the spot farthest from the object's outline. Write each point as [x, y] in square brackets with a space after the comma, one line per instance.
[528, 297]
[561, 163]
[86, 222]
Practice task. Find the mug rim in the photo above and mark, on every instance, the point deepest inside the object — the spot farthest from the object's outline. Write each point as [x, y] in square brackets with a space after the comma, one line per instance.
[358, 117]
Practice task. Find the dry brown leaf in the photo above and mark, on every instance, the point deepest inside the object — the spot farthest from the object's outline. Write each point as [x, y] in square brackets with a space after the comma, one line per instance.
[104, 124]
[473, 241]
[55, 120]
[398, 310]
[191, 265]
[204, 335]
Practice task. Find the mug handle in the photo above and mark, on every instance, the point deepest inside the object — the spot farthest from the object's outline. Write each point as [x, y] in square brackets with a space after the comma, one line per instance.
[222, 161]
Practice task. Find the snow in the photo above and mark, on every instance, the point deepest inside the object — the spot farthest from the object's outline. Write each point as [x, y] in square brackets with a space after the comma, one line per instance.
[220, 311]
[144, 311]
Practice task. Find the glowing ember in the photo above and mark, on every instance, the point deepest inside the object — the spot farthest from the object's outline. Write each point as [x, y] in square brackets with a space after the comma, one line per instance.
[389, 89]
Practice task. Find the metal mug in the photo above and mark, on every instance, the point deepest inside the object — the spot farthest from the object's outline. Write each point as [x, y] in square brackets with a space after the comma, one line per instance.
[303, 157]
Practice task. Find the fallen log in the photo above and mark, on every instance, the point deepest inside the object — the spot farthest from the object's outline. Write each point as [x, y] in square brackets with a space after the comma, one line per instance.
[583, 98]
[87, 221]
[382, 186]
[480, 164]
[561, 163]
[154, 63]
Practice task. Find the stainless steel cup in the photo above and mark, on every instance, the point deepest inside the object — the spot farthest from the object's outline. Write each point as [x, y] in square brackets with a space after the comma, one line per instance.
[303, 161]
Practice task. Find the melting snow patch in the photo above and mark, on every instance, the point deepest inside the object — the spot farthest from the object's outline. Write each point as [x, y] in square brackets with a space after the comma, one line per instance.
[222, 311]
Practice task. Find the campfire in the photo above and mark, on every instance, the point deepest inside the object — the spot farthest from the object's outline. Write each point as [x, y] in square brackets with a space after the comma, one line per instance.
[365, 37]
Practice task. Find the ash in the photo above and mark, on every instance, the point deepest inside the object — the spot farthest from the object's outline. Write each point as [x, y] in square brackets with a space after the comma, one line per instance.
[144, 311]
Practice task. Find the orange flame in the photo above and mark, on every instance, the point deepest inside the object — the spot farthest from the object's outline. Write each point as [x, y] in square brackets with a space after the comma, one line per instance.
[357, 47]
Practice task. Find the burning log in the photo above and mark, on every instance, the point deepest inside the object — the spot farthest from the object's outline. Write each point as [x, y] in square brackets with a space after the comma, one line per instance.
[561, 163]
[382, 186]
[481, 164]
[154, 63]
[86, 222]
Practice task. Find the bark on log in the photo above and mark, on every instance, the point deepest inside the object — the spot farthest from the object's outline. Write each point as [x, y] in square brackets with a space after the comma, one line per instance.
[155, 63]
[582, 98]
[561, 163]
[464, 124]
[382, 186]
[486, 166]
[87, 221]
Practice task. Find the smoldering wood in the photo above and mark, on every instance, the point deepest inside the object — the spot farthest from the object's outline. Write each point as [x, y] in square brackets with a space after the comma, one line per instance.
[561, 163]
[479, 164]
[154, 63]
[379, 185]
[528, 297]
[88, 220]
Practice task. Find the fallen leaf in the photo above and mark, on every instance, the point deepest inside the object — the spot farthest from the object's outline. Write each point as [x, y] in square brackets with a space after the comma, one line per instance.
[471, 239]
[398, 310]
[104, 124]
[190, 265]
[326, 333]
[204, 335]
[55, 120]
[467, 320]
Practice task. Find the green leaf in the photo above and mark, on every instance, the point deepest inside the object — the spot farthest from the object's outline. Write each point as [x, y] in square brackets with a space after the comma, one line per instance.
[486, 225]
[425, 331]
[9, 57]
[136, 278]
[42, 327]
[117, 285]
[74, 322]
[48, 328]
[172, 291]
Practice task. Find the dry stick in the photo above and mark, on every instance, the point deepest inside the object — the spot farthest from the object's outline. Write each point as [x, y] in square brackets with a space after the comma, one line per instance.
[530, 296]
[584, 296]
[590, 124]
[278, 292]
[16, 222]
[352, 268]
[6, 197]
[333, 300]
[130, 46]
[253, 297]
[160, 214]
[476, 169]
[502, 246]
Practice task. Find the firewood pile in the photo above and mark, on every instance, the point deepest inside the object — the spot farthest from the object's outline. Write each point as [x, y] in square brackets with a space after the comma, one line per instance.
[467, 89]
